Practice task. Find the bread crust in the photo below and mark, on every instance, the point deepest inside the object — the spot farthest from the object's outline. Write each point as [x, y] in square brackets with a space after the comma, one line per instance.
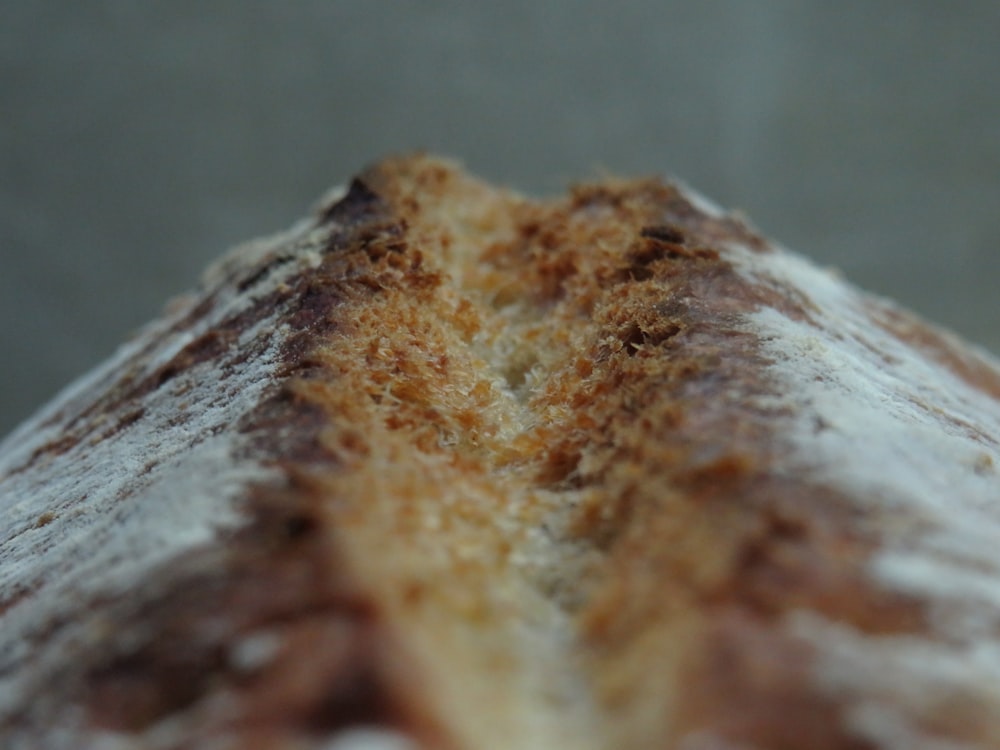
[446, 467]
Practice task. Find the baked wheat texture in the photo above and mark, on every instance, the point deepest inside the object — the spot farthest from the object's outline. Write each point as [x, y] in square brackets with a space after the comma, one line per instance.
[443, 467]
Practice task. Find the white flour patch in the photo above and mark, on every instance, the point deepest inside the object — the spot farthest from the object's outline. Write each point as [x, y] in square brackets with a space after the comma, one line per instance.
[912, 444]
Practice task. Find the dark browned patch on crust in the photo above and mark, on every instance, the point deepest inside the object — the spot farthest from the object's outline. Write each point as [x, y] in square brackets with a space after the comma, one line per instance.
[54, 447]
[656, 248]
[663, 233]
[711, 229]
[754, 691]
[123, 422]
[315, 297]
[286, 428]
[359, 205]
[804, 550]
[658, 245]
[319, 661]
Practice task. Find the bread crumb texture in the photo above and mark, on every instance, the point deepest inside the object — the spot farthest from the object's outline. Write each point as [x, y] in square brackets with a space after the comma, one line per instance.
[446, 467]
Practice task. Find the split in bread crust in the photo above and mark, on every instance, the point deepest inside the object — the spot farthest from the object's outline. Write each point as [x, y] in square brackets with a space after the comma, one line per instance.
[447, 467]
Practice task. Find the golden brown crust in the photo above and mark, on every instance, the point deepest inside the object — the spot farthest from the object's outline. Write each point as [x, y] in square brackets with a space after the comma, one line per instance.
[536, 480]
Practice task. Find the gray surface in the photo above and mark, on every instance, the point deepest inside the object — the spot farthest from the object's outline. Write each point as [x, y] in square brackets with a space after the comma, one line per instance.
[139, 140]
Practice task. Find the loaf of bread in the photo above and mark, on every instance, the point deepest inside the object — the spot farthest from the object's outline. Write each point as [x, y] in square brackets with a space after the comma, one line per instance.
[446, 468]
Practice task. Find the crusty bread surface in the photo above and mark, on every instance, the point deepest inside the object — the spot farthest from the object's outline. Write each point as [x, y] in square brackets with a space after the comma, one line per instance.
[446, 467]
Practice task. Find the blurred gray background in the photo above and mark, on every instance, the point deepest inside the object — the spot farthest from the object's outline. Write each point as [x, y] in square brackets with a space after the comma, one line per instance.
[138, 140]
